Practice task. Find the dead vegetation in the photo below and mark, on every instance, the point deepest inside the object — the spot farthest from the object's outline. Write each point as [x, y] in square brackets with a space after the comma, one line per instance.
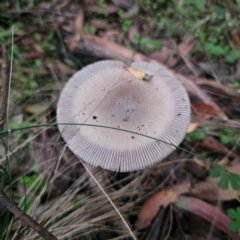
[199, 42]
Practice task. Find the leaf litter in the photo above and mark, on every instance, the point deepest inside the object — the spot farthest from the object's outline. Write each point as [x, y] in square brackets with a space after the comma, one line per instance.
[212, 100]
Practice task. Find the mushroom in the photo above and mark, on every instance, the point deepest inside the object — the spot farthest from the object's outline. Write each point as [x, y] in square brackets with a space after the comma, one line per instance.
[106, 94]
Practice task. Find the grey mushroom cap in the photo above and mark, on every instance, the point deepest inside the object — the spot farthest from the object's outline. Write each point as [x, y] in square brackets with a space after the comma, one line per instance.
[105, 93]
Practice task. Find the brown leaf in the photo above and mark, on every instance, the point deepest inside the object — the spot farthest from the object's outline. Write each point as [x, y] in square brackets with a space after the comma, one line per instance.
[32, 54]
[210, 191]
[166, 56]
[99, 23]
[186, 46]
[213, 144]
[132, 33]
[40, 70]
[237, 73]
[204, 110]
[79, 22]
[235, 41]
[35, 108]
[162, 198]
[183, 50]
[58, 67]
[207, 212]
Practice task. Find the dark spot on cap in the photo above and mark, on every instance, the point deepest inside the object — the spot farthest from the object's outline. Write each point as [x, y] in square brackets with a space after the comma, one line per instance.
[133, 137]
[179, 114]
[94, 117]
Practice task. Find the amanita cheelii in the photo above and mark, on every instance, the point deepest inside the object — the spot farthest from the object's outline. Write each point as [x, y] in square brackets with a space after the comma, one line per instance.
[107, 94]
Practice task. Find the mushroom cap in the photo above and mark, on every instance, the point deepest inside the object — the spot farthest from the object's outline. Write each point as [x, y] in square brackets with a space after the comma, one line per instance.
[105, 93]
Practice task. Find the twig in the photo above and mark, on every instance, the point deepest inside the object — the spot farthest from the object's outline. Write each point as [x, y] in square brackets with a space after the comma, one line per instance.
[104, 48]
[4, 200]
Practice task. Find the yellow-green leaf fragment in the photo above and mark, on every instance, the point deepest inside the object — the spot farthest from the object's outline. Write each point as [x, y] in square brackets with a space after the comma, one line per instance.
[139, 74]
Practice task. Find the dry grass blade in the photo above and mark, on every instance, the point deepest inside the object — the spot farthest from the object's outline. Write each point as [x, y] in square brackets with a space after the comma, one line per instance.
[4, 200]
[4, 86]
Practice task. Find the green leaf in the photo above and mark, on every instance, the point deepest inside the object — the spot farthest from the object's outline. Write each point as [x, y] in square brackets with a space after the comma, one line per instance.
[226, 139]
[232, 213]
[148, 44]
[33, 181]
[234, 181]
[218, 50]
[234, 226]
[226, 178]
[223, 183]
[235, 215]
[220, 11]
[232, 56]
[199, 134]
[217, 171]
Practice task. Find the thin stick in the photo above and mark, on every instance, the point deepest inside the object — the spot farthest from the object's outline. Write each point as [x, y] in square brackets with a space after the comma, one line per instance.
[4, 200]
[109, 199]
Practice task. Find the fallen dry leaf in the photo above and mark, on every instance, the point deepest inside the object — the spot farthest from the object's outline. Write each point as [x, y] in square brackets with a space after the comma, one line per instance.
[35, 108]
[204, 110]
[210, 191]
[162, 198]
[237, 73]
[166, 56]
[207, 212]
[32, 55]
[139, 74]
[132, 33]
[213, 144]
[193, 126]
[184, 48]
[99, 23]
[79, 22]
[58, 67]
[235, 40]
[187, 45]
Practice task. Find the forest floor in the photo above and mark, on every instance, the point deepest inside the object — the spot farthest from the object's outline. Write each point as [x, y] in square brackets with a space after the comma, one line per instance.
[194, 193]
